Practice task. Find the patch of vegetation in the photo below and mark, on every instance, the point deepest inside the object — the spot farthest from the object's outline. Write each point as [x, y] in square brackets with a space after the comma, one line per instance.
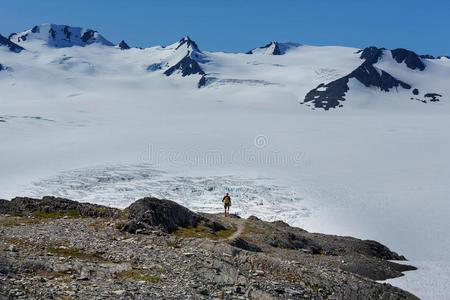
[102, 210]
[99, 224]
[17, 221]
[202, 232]
[71, 213]
[66, 279]
[124, 214]
[316, 288]
[248, 229]
[62, 276]
[74, 252]
[22, 241]
[138, 275]
[173, 244]
[119, 224]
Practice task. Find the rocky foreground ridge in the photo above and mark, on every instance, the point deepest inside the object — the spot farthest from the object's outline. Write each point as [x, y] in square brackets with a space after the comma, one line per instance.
[55, 248]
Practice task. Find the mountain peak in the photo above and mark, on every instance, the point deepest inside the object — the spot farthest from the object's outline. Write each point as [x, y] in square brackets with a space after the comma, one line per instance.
[123, 45]
[190, 44]
[274, 48]
[60, 36]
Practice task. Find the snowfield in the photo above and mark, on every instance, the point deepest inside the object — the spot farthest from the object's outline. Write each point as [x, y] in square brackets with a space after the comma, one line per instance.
[95, 124]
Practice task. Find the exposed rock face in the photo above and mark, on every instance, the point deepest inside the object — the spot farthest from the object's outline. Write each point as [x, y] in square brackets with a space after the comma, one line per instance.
[411, 59]
[371, 54]
[11, 46]
[187, 66]
[427, 56]
[163, 214]
[123, 45]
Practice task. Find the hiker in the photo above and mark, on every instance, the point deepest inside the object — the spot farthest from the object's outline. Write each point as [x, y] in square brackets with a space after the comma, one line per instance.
[227, 203]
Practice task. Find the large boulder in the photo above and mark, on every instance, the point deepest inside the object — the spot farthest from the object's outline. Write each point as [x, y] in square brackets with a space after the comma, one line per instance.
[163, 214]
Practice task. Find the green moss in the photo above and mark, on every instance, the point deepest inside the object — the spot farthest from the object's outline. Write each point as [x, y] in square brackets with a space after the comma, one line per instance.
[138, 275]
[173, 244]
[17, 221]
[71, 213]
[74, 252]
[202, 232]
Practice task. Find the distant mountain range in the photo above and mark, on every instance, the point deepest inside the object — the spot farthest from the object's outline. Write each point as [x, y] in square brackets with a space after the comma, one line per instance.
[416, 77]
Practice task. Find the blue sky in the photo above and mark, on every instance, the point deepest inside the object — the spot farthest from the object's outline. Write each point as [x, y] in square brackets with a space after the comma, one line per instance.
[239, 25]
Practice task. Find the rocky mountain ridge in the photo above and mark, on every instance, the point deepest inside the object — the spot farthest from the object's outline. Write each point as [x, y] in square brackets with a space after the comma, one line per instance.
[55, 247]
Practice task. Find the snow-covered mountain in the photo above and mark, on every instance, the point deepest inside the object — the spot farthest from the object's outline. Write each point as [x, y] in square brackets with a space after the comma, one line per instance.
[59, 36]
[371, 74]
[319, 77]
[184, 57]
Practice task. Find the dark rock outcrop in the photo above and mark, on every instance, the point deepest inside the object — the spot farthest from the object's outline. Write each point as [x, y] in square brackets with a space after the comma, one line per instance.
[187, 66]
[29, 206]
[87, 35]
[275, 51]
[165, 215]
[123, 45]
[243, 244]
[12, 46]
[274, 48]
[371, 54]
[330, 95]
[154, 67]
[427, 56]
[411, 59]
[369, 75]
[202, 82]
[434, 97]
[189, 44]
